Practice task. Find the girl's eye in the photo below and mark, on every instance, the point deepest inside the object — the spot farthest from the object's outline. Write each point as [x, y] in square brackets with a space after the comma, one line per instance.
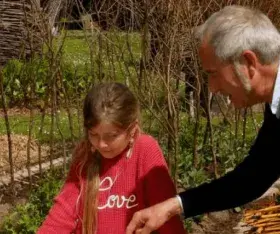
[111, 136]
[93, 135]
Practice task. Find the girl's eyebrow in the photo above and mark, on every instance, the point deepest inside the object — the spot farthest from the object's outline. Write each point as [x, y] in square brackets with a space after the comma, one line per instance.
[107, 133]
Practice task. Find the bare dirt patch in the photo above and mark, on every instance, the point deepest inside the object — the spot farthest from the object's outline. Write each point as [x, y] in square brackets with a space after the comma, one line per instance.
[223, 222]
[19, 152]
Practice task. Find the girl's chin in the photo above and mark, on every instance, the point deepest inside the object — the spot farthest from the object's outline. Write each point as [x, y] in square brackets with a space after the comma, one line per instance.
[108, 155]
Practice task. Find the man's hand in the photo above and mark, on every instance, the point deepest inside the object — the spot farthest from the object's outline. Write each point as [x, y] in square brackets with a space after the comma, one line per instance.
[150, 219]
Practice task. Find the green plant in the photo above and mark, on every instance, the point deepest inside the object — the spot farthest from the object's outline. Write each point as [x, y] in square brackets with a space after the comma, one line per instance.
[25, 219]
[25, 82]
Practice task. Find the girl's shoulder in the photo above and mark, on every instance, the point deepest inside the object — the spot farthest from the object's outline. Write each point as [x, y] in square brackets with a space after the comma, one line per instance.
[148, 153]
[146, 140]
[146, 144]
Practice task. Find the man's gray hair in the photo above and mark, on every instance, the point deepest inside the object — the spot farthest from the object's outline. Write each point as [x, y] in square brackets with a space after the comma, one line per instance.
[234, 29]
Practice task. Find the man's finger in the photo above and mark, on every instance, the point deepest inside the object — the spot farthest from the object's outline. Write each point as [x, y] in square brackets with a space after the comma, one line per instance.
[139, 231]
[148, 228]
[130, 228]
[134, 224]
[145, 230]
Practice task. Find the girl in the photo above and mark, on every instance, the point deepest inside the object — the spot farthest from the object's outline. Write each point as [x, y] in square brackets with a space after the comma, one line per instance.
[116, 170]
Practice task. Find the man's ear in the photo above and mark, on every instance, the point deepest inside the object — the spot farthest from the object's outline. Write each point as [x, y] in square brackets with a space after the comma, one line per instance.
[251, 61]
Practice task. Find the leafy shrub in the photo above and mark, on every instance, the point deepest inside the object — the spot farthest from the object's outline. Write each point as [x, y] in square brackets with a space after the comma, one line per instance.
[25, 219]
[24, 83]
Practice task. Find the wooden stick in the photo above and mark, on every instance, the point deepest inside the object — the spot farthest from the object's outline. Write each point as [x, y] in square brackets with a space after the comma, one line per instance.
[259, 230]
[271, 232]
[273, 229]
[270, 216]
[268, 220]
[270, 208]
[266, 224]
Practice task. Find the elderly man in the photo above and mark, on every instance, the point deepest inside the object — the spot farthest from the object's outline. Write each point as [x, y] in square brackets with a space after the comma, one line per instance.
[240, 50]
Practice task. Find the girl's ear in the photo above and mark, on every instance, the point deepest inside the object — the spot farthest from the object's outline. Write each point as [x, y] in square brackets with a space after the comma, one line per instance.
[135, 130]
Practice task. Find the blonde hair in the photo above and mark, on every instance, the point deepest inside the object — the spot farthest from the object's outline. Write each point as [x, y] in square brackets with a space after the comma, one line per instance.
[112, 102]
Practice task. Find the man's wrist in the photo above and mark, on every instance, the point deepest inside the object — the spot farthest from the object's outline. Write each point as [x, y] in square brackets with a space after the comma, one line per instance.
[174, 207]
[181, 205]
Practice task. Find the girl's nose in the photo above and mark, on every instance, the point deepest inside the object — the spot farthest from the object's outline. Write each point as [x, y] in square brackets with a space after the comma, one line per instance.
[102, 144]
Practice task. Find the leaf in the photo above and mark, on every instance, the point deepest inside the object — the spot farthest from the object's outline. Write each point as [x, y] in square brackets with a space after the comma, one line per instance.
[237, 209]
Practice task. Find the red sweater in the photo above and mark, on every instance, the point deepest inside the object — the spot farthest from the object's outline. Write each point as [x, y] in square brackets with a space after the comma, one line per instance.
[127, 185]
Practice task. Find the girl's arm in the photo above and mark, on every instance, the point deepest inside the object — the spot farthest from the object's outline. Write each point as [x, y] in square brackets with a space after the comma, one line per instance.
[63, 215]
[158, 185]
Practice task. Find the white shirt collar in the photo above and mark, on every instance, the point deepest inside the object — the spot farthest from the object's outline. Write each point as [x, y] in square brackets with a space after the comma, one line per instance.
[275, 104]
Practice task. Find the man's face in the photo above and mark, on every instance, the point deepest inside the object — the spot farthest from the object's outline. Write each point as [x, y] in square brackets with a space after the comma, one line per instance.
[222, 77]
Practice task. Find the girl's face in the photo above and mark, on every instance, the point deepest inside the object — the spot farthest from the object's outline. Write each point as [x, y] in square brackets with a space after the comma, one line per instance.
[109, 139]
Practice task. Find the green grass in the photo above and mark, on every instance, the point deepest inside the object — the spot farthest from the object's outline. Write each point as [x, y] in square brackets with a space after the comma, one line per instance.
[19, 124]
[102, 54]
